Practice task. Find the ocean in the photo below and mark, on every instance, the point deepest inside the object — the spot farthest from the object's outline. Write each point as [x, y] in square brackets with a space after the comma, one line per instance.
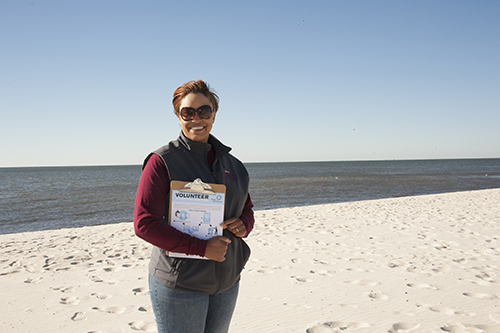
[41, 198]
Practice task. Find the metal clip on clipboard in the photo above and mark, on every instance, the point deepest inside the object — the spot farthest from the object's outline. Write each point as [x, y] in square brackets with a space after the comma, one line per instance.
[197, 186]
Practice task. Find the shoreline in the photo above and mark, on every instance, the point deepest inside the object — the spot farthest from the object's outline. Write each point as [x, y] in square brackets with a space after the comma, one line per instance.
[268, 209]
[426, 263]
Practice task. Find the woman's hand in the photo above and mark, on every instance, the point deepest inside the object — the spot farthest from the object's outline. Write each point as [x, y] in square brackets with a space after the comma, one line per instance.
[236, 226]
[216, 248]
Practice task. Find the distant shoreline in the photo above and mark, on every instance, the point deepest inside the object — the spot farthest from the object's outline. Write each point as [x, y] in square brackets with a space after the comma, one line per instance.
[61, 197]
[268, 162]
[313, 206]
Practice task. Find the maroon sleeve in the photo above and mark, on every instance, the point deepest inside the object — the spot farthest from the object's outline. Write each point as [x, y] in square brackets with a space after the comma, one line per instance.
[150, 204]
[247, 216]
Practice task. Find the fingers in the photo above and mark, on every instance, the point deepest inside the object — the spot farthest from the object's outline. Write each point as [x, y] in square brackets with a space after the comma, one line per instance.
[228, 223]
[217, 248]
[225, 239]
[239, 231]
[235, 226]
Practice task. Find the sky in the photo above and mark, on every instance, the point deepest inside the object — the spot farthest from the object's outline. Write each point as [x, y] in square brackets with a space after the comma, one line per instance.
[91, 82]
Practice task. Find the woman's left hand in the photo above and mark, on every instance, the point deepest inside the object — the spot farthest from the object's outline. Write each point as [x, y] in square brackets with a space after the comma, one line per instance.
[236, 226]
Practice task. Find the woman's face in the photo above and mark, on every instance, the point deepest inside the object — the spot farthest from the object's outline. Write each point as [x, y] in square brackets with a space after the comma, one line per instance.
[196, 129]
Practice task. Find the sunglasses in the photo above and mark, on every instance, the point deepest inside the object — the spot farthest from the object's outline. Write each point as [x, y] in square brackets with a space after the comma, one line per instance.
[204, 112]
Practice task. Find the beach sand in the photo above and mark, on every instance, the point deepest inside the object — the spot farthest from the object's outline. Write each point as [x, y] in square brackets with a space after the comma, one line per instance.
[414, 264]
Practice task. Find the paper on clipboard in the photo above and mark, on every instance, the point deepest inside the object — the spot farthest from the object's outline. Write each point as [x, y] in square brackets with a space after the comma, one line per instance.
[196, 208]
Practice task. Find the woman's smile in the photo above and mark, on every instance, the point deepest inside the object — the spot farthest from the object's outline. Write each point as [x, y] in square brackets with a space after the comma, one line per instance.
[196, 129]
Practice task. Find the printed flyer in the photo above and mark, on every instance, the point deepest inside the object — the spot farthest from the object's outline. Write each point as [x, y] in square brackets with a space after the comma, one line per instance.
[197, 209]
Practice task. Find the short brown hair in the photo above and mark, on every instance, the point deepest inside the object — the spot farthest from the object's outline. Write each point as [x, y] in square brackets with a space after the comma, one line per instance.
[194, 87]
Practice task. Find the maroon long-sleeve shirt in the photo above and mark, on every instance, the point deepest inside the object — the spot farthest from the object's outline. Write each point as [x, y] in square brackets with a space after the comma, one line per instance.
[150, 204]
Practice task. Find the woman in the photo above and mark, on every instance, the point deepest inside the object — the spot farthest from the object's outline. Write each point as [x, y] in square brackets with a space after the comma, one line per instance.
[193, 295]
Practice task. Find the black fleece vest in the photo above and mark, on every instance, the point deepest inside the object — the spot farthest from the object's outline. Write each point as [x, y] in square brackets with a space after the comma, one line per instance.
[186, 160]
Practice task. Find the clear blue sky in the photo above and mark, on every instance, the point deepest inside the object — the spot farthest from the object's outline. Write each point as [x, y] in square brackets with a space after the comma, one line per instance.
[90, 82]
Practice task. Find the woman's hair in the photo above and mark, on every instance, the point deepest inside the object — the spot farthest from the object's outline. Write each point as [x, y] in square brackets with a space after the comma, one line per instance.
[194, 87]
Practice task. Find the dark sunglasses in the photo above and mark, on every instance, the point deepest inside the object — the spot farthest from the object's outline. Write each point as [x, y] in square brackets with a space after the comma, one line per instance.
[204, 112]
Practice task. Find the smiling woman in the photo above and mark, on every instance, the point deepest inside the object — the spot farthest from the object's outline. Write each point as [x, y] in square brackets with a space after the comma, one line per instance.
[193, 295]
[196, 117]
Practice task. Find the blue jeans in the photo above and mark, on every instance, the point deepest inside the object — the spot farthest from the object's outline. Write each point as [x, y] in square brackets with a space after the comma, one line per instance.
[182, 312]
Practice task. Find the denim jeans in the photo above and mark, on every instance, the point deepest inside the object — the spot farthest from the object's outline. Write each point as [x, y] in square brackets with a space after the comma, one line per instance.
[182, 312]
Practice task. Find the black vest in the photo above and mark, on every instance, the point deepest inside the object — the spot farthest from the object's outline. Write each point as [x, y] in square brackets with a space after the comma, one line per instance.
[186, 160]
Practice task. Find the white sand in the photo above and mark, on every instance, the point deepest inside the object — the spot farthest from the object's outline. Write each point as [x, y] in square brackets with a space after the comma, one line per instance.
[417, 264]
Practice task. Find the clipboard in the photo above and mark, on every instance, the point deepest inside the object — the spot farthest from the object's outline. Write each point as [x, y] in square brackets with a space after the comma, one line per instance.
[196, 208]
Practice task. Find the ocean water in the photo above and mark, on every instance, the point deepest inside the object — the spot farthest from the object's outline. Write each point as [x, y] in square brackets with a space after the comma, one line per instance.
[42, 198]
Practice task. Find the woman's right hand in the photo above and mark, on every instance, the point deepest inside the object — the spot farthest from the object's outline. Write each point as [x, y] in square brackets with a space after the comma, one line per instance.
[216, 248]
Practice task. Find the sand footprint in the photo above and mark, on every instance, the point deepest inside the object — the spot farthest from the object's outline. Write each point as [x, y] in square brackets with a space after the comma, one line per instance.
[322, 272]
[65, 289]
[300, 279]
[357, 270]
[62, 269]
[100, 296]
[70, 300]
[454, 328]
[305, 306]
[363, 282]
[265, 271]
[143, 326]
[377, 295]
[30, 268]
[96, 278]
[141, 291]
[461, 328]
[399, 327]
[79, 316]
[480, 295]
[321, 262]
[254, 260]
[10, 272]
[442, 309]
[33, 280]
[334, 326]
[147, 308]
[461, 260]
[111, 269]
[283, 267]
[422, 286]
[485, 277]
[112, 310]
[358, 324]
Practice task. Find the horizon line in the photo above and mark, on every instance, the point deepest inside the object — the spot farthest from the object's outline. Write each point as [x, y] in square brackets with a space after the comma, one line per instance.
[252, 162]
